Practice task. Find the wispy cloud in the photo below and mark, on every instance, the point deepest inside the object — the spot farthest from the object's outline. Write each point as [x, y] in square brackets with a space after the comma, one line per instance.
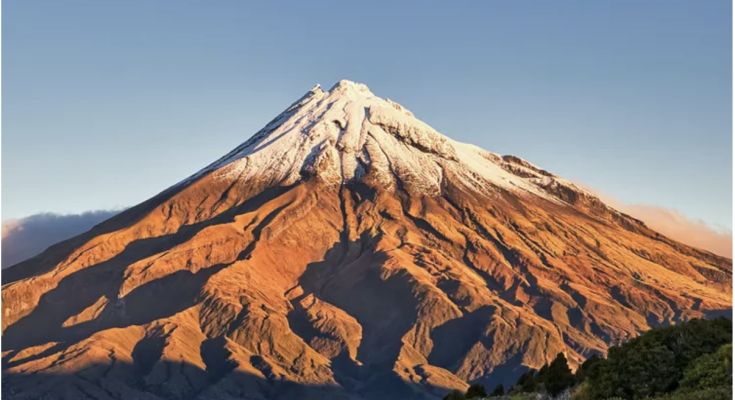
[675, 225]
[26, 237]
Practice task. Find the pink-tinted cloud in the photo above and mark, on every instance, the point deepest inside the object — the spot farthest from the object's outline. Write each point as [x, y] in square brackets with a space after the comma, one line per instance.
[675, 225]
[9, 227]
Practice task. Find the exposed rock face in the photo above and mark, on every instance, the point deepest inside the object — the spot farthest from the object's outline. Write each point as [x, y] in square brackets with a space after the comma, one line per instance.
[347, 250]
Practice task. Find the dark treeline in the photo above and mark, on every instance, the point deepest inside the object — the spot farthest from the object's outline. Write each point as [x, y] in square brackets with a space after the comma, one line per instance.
[692, 360]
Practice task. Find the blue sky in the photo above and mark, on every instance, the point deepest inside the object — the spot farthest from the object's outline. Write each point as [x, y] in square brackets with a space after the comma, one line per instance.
[107, 103]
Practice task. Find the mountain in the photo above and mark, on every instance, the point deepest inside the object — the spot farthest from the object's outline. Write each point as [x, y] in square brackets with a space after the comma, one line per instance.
[346, 250]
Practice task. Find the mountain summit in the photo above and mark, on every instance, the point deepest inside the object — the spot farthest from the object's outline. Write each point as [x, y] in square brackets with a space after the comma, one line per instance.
[338, 135]
[347, 250]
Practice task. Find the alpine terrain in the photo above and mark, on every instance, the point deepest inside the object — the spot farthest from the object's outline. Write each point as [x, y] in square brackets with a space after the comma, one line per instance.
[346, 250]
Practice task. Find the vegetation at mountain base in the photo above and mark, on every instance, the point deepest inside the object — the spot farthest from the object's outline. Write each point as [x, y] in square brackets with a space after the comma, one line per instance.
[476, 391]
[455, 395]
[689, 361]
[665, 360]
[709, 370]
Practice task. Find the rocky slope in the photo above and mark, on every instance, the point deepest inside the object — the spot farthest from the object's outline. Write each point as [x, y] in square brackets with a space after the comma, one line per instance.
[347, 250]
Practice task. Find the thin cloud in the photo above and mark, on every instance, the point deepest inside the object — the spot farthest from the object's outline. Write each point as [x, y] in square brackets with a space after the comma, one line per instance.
[675, 225]
[26, 237]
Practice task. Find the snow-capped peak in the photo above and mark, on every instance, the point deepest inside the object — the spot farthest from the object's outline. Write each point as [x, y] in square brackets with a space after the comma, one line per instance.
[347, 132]
[345, 86]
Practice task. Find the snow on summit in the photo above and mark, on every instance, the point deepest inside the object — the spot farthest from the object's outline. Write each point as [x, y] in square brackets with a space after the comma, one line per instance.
[346, 132]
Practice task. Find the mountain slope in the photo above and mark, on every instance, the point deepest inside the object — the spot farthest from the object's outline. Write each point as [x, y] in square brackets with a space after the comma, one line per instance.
[346, 250]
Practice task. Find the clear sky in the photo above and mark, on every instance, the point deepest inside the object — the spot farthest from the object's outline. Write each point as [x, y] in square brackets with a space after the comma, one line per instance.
[107, 103]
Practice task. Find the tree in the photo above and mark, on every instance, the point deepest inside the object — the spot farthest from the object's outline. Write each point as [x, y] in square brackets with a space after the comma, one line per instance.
[454, 395]
[526, 382]
[476, 390]
[557, 376]
[710, 370]
[654, 363]
[499, 391]
[589, 367]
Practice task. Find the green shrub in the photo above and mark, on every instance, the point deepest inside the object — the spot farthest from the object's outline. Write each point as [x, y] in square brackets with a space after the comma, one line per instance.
[588, 367]
[720, 393]
[654, 363]
[582, 392]
[524, 396]
[710, 370]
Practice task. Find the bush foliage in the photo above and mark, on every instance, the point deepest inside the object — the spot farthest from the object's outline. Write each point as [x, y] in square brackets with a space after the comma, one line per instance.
[654, 363]
[691, 359]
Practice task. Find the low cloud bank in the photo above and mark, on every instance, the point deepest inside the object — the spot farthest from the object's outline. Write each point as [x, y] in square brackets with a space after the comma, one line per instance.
[679, 227]
[26, 237]
[675, 225]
